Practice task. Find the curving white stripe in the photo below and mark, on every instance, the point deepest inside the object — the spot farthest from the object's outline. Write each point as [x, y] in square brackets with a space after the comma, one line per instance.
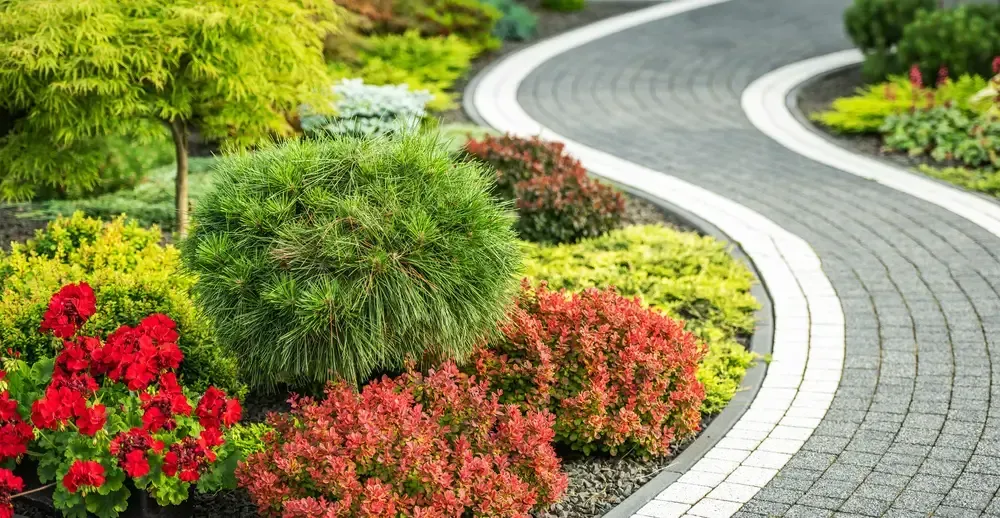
[765, 103]
[808, 349]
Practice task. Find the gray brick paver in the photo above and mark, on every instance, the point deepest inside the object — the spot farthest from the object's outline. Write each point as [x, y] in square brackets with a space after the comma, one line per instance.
[914, 428]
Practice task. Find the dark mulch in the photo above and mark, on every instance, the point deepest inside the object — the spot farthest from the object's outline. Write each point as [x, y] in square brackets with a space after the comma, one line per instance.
[14, 228]
[819, 95]
[550, 23]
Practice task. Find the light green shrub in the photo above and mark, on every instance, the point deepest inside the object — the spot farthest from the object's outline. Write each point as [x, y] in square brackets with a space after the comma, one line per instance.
[432, 64]
[345, 257]
[132, 277]
[986, 180]
[688, 276]
[867, 109]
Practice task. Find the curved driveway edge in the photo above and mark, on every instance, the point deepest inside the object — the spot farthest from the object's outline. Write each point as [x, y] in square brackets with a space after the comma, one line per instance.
[809, 335]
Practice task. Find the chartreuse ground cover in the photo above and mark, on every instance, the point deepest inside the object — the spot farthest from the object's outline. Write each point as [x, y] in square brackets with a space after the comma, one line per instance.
[683, 274]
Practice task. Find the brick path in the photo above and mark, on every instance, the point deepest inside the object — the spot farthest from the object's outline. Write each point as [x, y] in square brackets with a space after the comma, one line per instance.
[912, 430]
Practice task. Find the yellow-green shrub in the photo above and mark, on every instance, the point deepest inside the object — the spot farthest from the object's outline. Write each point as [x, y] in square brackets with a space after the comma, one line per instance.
[132, 277]
[867, 109]
[432, 64]
[686, 275]
[986, 180]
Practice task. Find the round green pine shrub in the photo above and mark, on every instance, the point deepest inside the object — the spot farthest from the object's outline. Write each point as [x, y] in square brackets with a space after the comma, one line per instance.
[132, 277]
[964, 40]
[345, 257]
[619, 377]
[518, 22]
[434, 445]
[875, 26]
[564, 5]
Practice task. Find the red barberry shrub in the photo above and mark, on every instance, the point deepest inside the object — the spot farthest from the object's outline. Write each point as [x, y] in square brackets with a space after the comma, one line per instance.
[618, 377]
[556, 201]
[517, 159]
[436, 445]
[567, 207]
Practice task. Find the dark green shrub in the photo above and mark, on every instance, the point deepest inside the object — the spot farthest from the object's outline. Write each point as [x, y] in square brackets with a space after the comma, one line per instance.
[518, 22]
[343, 258]
[875, 26]
[564, 5]
[964, 39]
[132, 277]
[944, 134]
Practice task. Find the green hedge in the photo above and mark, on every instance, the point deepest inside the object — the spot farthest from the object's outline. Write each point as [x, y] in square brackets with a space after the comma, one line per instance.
[688, 276]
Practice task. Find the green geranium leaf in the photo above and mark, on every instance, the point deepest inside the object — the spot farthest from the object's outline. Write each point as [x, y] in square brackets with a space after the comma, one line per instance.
[108, 504]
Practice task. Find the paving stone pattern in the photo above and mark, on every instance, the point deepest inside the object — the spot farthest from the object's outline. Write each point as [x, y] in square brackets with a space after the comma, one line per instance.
[912, 430]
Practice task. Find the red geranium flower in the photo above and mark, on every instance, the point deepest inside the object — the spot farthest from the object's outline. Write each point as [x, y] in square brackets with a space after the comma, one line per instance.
[9, 484]
[69, 309]
[159, 409]
[14, 438]
[58, 405]
[215, 410]
[186, 459]
[136, 465]
[84, 473]
[90, 420]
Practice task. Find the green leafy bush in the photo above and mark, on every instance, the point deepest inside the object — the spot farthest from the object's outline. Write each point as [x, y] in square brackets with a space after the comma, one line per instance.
[432, 64]
[875, 26]
[564, 5]
[867, 110]
[518, 22]
[688, 276]
[132, 276]
[964, 39]
[345, 257]
[944, 134]
[248, 437]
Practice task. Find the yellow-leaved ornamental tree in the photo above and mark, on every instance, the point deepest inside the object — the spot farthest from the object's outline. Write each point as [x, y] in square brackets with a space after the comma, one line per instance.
[73, 73]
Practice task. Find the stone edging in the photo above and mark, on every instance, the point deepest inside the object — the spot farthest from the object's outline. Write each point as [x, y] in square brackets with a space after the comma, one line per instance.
[808, 337]
[769, 103]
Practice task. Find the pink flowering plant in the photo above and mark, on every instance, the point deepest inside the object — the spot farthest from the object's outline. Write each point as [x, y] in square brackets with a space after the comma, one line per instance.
[107, 411]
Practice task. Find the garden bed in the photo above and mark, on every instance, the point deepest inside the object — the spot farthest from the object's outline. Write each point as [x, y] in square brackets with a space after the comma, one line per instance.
[818, 95]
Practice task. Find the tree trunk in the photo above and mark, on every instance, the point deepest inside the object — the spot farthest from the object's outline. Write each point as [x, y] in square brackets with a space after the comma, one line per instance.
[179, 131]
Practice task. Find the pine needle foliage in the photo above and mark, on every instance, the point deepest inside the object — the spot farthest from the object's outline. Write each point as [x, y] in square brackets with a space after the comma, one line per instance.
[78, 71]
[343, 258]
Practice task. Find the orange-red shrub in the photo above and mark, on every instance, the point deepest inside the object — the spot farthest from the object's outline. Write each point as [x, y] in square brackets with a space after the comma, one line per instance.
[618, 377]
[437, 445]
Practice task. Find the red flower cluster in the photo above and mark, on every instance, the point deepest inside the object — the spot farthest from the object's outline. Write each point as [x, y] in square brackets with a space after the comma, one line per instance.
[214, 410]
[131, 448]
[138, 356]
[143, 359]
[15, 434]
[84, 474]
[69, 309]
[617, 376]
[9, 484]
[188, 458]
[159, 409]
[440, 445]
[556, 200]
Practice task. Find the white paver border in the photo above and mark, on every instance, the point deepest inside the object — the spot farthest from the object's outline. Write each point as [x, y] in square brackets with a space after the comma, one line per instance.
[808, 349]
[765, 103]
